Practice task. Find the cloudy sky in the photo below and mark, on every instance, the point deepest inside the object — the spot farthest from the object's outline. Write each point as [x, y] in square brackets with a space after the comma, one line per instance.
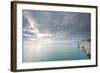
[61, 25]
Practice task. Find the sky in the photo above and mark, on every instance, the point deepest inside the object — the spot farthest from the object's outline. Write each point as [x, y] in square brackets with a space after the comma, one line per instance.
[61, 25]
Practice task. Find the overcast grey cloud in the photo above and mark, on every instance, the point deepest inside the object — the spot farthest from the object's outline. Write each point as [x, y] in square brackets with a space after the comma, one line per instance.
[62, 25]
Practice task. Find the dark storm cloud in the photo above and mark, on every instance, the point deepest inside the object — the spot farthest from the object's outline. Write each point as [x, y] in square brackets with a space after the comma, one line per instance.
[62, 25]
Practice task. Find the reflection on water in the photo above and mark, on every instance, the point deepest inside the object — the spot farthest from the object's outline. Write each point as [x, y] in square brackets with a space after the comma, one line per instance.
[42, 50]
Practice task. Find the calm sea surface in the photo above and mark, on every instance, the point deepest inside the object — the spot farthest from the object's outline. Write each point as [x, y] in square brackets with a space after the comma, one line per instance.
[37, 51]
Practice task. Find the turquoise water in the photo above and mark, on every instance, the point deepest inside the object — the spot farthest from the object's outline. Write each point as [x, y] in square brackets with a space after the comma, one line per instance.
[36, 51]
[66, 52]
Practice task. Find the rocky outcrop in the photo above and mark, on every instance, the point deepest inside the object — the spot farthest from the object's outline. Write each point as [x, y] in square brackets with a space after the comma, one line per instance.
[85, 44]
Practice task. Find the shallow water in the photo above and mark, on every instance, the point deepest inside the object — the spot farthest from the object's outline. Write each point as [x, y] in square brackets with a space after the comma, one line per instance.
[37, 51]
